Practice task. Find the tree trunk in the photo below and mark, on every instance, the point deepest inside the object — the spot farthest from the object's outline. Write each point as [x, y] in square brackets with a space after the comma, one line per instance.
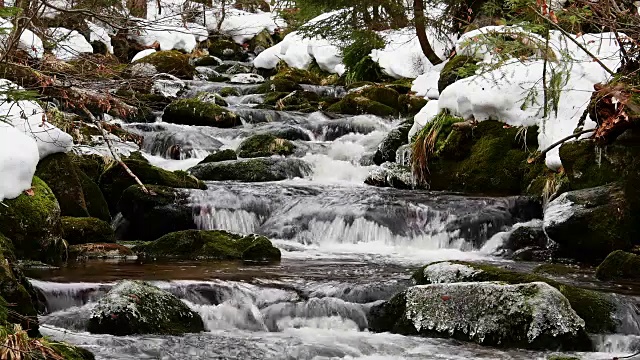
[418, 10]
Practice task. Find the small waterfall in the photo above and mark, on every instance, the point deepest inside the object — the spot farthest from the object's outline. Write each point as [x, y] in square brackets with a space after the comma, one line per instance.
[316, 312]
[61, 296]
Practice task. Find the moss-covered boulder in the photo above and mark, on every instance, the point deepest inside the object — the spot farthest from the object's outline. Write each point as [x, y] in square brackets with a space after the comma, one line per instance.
[298, 76]
[530, 315]
[136, 307]
[278, 85]
[252, 170]
[99, 251]
[262, 41]
[207, 61]
[410, 104]
[595, 308]
[115, 180]
[213, 244]
[199, 113]
[302, 101]
[226, 49]
[86, 230]
[222, 155]
[171, 62]
[265, 145]
[486, 158]
[160, 211]
[459, 67]
[590, 223]
[391, 142]
[356, 104]
[382, 94]
[33, 222]
[76, 193]
[229, 91]
[619, 265]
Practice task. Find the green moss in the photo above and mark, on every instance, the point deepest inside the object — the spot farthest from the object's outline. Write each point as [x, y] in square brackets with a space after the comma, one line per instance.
[33, 223]
[70, 352]
[115, 180]
[218, 156]
[214, 244]
[297, 76]
[226, 49]
[199, 113]
[263, 39]
[252, 170]
[459, 67]
[619, 265]
[95, 201]
[229, 91]
[382, 94]
[410, 104]
[86, 230]
[278, 85]
[355, 104]
[12, 289]
[171, 62]
[595, 308]
[265, 145]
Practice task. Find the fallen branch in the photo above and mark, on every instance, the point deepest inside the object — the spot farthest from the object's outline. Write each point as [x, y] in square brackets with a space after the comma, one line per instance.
[113, 153]
[559, 142]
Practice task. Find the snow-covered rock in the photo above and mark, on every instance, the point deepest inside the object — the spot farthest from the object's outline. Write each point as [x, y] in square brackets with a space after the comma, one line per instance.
[29, 42]
[167, 85]
[18, 160]
[243, 26]
[142, 54]
[101, 34]
[170, 33]
[69, 44]
[246, 79]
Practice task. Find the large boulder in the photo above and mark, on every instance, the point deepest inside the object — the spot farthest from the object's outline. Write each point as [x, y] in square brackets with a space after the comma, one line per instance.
[213, 244]
[356, 104]
[222, 155]
[170, 62]
[33, 222]
[115, 180]
[533, 315]
[86, 230]
[136, 307]
[265, 145]
[619, 265]
[199, 113]
[77, 194]
[391, 143]
[595, 308]
[160, 211]
[252, 170]
[588, 224]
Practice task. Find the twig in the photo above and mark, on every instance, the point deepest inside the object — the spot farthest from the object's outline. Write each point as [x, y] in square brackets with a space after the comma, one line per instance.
[559, 142]
[113, 153]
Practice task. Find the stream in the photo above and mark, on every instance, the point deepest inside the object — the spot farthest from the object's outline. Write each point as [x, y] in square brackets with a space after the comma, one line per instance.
[345, 247]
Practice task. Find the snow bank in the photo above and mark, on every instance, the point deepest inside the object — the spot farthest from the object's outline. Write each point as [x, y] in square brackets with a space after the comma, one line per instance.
[514, 94]
[426, 85]
[18, 160]
[29, 118]
[170, 33]
[68, 43]
[29, 42]
[142, 54]
[243, 26]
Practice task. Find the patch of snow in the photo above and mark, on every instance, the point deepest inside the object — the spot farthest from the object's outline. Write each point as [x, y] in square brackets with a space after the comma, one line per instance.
[170, 33]
[142, 54]
[18, 160]
[426, 85]
[69, 44]
[246, 79]
[29, 42]
[101, 34]
[243, 26]
[447, 272]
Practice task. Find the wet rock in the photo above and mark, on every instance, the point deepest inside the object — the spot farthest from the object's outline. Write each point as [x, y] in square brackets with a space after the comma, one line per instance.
[531, 235]
[136, 307]
[207, 61]
[33, 222]
[391, 175]
[170, 62]
[209, 74]
[619, 265]
[459, 67]
[76, 193]
[382, 94]
[229, 91]
[411, 104]
[588, 224]
[199, 113]
[151, 215]
[212, 244]
[226, 49]
[167, 86]
[533, 315]
[238, 68]
[278, 85]
[86, 230]
[595, 308]
[265, 145]
[99, 251]
[355, 104]
[391, 142]
[218, 156]
[261, 41]
[252, 170]
[115, 180]
[212, 98]
[246, 79]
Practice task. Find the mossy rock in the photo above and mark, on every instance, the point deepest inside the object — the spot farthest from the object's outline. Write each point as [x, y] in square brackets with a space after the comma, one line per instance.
[70, 352]
[265, 145]
[226, 49]
[252, 170]
[115, 180]
[212, 98]
[355, 104]
[278, 85]
[397, 137]
[411, 104]
[218, 156]
[207, 61]
[212, 244]
[171, 62]
[199, 113]
[555, 269]
[33, 222]
[262, 40]
[161, 211]
[382, 94]
[619, 265]
[459, 67]
[229, 91]
[76, 193]
[82, 230]
[297, 76]
[99, 251]
[595, 308]
[487, 159]
[136, 307]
